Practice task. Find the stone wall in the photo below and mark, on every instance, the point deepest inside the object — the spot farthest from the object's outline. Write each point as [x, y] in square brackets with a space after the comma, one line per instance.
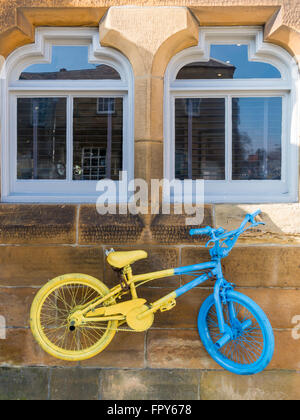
[39, 242]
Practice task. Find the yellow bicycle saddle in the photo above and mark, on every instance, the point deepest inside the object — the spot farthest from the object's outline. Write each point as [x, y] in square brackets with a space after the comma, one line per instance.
[121, 259]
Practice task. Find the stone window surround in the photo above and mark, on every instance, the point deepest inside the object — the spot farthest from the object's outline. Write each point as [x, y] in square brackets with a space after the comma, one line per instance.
[239, 191]
[41, 52]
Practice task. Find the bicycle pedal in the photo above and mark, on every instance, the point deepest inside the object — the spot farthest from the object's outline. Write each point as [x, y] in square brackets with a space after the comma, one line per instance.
[168, 306]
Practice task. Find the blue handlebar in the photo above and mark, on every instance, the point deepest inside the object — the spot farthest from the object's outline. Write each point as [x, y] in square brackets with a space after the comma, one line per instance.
[215, 232]
[250, 218]
[224, 241]
[202, 231]
[256, 213]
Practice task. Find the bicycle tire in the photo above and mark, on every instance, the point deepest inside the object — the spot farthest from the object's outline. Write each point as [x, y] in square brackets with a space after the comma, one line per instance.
[51, 330]
[246, 355]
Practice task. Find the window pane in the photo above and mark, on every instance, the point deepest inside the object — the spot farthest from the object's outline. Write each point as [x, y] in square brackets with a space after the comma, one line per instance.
[69, 63]
[41, 138]
[97, 138]
[200, 138]
[228, 62]
[256, 125]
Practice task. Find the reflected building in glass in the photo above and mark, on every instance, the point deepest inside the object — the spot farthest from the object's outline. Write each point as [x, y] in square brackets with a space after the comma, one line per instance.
[200, 126]
[202, 133]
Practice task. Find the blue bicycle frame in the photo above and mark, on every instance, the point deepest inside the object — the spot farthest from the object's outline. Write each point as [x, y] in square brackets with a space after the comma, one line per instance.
[223, 243]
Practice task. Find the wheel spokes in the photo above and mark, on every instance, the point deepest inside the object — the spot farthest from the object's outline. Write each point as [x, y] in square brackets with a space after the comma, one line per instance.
[55, 317]
[248, 345]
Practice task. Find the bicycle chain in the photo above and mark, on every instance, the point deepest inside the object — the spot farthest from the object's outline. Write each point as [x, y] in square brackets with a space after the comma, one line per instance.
[117, 329]
[125, 329]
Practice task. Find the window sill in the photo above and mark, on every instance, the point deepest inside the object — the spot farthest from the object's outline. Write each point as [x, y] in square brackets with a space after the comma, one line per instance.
[59, 198]
[238, 199]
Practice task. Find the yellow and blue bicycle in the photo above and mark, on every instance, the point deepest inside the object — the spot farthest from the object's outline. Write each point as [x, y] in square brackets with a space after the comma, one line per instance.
[75, 316]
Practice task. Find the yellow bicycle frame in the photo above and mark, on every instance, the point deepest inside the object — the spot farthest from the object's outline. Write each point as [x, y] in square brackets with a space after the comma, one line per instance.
[140, 313]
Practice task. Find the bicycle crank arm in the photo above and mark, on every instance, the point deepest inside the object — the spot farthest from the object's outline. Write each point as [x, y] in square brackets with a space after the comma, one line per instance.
[228, 337]
[164, 304]
[224, 340]
[128, 311]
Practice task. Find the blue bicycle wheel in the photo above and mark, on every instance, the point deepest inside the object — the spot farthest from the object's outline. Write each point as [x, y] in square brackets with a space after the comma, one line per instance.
[252, 350]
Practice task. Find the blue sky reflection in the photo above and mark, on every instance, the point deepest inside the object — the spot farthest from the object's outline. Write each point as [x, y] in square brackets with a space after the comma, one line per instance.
[64, 57]
[237, 55]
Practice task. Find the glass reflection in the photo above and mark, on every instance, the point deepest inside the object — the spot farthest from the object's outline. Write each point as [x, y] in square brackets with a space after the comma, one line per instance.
[200, 138]
[228, 62]
[97, 138]
[69, 63]
[41, 129]
[256, 138]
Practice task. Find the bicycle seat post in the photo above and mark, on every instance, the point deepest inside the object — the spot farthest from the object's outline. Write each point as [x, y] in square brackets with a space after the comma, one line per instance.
[127, 271]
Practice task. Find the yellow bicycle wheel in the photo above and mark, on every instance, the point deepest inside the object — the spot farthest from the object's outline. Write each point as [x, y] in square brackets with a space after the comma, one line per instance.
[50, 318]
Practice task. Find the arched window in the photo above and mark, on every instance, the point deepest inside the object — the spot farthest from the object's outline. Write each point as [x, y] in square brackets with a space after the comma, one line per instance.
[229, 117]
[68, 104]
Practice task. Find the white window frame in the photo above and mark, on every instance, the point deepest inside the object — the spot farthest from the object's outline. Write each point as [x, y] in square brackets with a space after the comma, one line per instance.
[287, 87]
[14, 190]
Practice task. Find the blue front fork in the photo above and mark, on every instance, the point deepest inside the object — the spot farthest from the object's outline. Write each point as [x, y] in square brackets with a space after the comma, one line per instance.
[221, 289]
